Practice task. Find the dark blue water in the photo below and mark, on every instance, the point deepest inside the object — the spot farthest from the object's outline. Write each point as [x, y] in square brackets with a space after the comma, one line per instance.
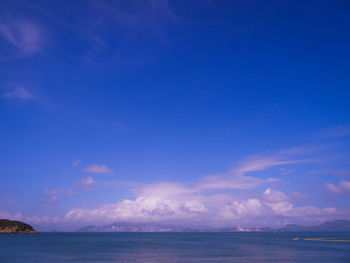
[172, 247]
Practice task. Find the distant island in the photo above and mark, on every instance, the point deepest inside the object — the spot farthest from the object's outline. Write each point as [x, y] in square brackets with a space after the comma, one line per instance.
[15, 227]
[332, 226]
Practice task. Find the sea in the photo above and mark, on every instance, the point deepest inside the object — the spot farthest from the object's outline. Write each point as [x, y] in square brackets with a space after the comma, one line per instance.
[174, 247]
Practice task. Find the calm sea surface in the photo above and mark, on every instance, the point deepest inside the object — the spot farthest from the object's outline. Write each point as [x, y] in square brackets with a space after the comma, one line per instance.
[172, 247]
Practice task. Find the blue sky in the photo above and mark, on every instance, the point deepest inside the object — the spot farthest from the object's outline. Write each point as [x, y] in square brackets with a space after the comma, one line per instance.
[198, 112]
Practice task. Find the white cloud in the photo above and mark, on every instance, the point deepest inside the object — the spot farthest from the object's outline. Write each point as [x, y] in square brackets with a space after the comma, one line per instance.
[342, 187]
[87, 183]
[274, 196]
[285, 171]
[54, 194]
[259, 163]
[218, 209]
[232, 182]
[205, 185]
[7, 198]
[164, 189]
[76, 162]
[277, 201]
[155, 208]
[264, 161]
[98, 169]
[207, 209]
[339, 172]
[138, 14]
[24, 35]
[178, 204]
[275, 204]
[31, 219]
[334, 132]
[300, 196]
[239, 209]
[19, 93]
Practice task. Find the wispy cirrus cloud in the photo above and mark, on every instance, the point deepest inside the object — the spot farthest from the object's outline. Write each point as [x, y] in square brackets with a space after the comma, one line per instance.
[221, 182]
[76, 162]
[132, 19]
[19, 93]
[135, 13]
[342, 187]
[264, 161]
[7, 198]
[300, 196]
[237, 178]
[23, 35]
[98, 169]
[285, 171]
[338, 172]
[87, 183]
[334, 132]
[54, 194]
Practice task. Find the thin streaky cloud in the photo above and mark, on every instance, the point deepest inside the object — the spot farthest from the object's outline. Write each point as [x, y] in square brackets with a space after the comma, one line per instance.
[136, 14]
[163, 7]
[98, 169]
[76, 162]
[334, 132]
[146, 17]
[242, 182]
[8, 198]
[54, 194]
[342, 187]
[299, 195]
[285, 171]
[19, 93]
[260, 162]
[87, 183]
[338, 172]
[24, 35]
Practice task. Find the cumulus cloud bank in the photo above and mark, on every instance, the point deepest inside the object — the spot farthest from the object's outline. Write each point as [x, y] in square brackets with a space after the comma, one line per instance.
[217, 199]
[272, 207]
[191, 207]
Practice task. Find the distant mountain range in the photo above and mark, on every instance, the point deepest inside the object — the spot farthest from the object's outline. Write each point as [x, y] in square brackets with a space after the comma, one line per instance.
[333, 226]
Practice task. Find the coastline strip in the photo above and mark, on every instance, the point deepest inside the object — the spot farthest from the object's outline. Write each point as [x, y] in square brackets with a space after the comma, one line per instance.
[327, 239]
